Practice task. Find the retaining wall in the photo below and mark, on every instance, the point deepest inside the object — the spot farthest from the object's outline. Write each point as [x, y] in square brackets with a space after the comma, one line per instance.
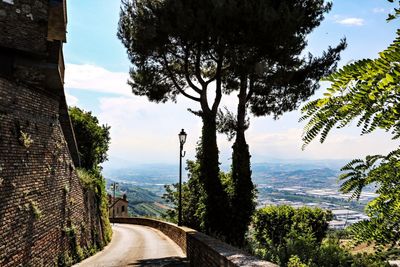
[42, 202]
[200, 249]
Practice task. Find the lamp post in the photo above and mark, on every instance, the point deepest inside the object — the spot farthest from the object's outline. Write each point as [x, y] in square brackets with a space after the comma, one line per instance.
[114, 185]
[182, 139]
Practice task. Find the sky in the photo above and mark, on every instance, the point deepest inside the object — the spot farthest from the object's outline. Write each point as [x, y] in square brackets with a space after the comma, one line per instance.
[142, 132]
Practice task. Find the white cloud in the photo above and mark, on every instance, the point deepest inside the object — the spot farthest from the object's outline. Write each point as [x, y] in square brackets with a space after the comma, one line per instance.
[379, 10]
[287, 144]
[95, 78]
[142, 131]
[351, 21]
[71, 100]
[145, 132]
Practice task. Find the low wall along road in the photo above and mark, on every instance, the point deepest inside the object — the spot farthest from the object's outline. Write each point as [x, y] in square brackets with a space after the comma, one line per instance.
[200, 249]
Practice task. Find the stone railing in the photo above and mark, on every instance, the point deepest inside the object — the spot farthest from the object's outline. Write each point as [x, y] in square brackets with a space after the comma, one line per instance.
[200, 249]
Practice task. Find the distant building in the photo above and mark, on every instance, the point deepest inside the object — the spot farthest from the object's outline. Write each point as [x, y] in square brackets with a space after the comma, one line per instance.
[337, 224]
[345, 217]
[118, 207]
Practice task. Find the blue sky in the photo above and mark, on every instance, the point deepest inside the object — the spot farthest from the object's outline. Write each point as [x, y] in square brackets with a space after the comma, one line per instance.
[142, 132]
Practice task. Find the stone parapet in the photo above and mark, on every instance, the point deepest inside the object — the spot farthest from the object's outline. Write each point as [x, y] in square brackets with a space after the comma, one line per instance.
[200, 249]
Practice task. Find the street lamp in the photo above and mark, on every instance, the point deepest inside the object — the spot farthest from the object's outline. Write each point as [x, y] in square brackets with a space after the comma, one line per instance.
[114, 186]
[182, 139]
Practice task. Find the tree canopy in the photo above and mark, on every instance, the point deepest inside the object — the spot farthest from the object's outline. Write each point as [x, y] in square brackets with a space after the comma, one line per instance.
[192, 47]
[92, 138]
[267, 69]
[174, 48]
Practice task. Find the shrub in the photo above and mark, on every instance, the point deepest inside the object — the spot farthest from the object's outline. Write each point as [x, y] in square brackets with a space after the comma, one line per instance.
[297, 238]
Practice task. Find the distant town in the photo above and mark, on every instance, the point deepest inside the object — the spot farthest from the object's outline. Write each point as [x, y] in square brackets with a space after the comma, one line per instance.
[344, 212]
[312, 184]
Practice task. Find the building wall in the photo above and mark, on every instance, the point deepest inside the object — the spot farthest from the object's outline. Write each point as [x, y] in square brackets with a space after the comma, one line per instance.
[42, 203]
[47, 217]
[26, 19]
[119, 209]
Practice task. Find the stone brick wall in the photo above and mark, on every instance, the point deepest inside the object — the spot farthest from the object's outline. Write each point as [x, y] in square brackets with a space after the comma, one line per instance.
[46, 216]
[44, 210]
[200, 249]
[26, 19]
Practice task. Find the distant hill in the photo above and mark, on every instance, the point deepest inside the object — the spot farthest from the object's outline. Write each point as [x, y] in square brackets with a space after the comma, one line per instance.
[282, 177]
[136, 194]
[277, 182]
[147, 209]
[142, 202]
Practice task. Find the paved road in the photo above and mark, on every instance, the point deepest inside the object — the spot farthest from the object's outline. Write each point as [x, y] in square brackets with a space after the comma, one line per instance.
[135, 245]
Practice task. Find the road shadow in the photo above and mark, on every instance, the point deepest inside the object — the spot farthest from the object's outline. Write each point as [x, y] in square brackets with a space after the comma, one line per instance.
[164, 262]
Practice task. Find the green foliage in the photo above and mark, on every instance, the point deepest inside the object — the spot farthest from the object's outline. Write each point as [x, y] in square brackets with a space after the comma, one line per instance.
[193, 198]
[76, 251]
[274, 223]
[396, 12]
[295, 261]
[296, 237]
[174, 48]
[93, 140]
[37, 213]
[64, 260]
[94, 181]
[266, 68]
[25, 139]
[384, 211]
[366, 91]
[182, 46]
[88, 179]
[282, 231]
[338, 234]
[243, 195]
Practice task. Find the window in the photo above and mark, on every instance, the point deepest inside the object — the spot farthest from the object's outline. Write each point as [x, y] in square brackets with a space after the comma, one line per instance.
[123, 209]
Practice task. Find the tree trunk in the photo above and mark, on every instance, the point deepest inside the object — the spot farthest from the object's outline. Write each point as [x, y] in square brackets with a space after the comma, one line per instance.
[243, 204]
[216, 200]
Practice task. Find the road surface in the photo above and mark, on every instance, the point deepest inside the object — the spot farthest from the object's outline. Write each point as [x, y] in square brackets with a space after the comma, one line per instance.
[136, 245]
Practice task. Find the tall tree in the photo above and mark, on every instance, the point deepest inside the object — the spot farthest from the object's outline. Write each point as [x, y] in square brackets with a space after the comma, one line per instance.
[181, 47]
[266, 39]
[175, 49]
[92, 138]
[366, 91]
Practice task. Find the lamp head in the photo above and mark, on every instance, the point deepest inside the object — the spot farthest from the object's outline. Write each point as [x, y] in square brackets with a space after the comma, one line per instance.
[182, 137]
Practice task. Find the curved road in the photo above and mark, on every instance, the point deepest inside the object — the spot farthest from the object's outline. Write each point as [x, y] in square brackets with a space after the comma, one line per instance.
[135, 245]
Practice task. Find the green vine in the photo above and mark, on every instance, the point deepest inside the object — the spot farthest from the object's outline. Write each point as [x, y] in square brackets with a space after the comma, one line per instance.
[33, 207]
[25, 139]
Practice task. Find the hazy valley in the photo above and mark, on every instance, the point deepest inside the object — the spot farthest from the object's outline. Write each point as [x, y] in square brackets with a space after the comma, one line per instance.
[310, 183]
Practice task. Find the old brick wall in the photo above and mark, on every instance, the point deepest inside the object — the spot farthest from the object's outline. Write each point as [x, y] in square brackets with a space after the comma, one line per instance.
[42, 203]
[26, 19]
[201, 250]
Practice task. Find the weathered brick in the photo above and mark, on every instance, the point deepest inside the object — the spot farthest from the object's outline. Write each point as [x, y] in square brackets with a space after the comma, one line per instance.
[35, 157]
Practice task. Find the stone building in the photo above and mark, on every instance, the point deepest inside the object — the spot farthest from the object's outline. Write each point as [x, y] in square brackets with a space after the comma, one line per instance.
[118, 207]
[45, 213]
